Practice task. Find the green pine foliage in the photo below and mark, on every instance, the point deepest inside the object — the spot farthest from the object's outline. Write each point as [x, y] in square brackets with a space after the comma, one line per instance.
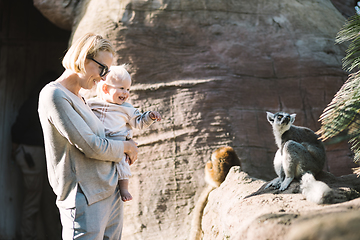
[341, 118]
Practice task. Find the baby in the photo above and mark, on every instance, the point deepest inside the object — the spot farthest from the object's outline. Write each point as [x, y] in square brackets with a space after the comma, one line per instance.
[119, 117]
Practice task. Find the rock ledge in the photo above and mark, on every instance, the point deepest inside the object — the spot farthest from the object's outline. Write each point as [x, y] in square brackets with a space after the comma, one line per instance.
[241, 209]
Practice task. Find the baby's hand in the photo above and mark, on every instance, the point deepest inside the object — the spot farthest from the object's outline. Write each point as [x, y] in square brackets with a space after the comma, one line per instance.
[155, 116]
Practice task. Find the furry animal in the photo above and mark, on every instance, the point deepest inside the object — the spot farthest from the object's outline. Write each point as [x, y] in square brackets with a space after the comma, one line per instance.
[222, 159]
[315, 191]
[300, 150]
[216, 170]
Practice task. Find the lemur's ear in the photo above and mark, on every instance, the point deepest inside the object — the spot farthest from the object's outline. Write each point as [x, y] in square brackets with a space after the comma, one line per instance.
[292, 118]
[270, 117]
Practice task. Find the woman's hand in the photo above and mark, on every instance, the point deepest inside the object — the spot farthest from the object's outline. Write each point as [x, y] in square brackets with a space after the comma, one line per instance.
[131, 149]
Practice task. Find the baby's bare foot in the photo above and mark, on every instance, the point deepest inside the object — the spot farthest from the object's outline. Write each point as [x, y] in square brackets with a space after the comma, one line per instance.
[125, 195]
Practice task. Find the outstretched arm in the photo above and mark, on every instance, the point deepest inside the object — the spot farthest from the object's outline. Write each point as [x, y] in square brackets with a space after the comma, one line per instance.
[155, 116]
[143, 120]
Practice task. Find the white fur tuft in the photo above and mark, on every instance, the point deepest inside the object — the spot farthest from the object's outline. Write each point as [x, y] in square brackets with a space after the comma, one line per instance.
[315, 191]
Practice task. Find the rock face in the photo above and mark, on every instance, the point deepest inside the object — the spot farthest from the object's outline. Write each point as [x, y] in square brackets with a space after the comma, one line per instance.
[347, 8]
[241, 209]
[60, 12]
[213, 68]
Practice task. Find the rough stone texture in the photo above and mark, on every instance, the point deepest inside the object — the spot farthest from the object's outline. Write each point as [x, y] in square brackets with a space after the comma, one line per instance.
[240, 209]
[329, 226]
[60, 12]
[212, 68]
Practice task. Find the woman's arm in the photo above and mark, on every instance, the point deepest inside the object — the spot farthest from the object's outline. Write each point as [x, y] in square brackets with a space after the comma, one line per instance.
[74, 122]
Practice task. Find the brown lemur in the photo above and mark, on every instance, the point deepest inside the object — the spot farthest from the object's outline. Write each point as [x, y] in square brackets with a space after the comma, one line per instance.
[216, 170]
[299, 151]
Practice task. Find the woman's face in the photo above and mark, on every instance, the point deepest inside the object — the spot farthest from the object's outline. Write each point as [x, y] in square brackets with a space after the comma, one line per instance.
[94, 67]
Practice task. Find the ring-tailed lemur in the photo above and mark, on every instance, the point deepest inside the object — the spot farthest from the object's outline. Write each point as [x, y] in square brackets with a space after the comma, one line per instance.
[216, 170]
[300, 150]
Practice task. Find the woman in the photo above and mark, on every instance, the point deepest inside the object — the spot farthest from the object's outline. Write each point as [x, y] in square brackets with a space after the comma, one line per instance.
[80, 160]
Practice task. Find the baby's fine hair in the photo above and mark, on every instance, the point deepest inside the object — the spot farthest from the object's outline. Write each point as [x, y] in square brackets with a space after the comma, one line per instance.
[117, 73]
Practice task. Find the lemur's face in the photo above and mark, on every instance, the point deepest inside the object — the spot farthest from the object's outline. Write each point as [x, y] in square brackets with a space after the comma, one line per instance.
[281, 121]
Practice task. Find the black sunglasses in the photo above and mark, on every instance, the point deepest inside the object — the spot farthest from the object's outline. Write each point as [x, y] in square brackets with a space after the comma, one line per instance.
[104, 69]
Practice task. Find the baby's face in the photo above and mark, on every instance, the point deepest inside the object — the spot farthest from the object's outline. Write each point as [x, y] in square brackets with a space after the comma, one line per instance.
[119, 91]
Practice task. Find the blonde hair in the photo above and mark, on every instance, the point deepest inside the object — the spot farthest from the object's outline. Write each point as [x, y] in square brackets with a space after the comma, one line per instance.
[116, 74]
[85, 47]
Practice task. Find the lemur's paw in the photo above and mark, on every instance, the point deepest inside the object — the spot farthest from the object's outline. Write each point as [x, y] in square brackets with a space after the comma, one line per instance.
[274, 183]
[285, 184]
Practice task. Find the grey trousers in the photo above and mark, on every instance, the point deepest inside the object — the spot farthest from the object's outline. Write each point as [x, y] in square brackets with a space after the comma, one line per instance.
[101, 220]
